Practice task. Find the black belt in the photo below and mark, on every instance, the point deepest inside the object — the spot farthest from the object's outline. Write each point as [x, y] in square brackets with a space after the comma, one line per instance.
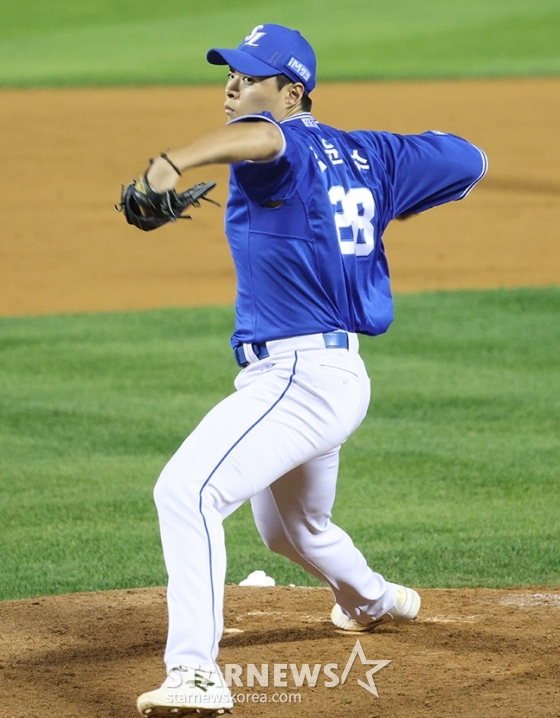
[333, 340]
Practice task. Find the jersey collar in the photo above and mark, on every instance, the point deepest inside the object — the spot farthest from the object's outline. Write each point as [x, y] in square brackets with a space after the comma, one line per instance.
[306, 117]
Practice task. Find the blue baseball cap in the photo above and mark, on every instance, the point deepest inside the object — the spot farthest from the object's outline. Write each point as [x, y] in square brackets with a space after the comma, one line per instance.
[271, 50]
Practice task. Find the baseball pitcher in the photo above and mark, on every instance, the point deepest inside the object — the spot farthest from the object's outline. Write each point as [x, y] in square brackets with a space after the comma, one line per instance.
[308, 205]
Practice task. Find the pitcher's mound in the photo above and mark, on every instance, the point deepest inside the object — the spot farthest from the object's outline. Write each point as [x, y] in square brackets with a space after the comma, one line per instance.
[471, 653]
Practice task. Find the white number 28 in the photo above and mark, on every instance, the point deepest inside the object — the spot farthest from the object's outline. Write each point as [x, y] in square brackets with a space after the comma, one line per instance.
[353, 215]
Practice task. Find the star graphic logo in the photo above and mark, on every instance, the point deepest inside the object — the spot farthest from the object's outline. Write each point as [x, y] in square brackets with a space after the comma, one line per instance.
[377, 666]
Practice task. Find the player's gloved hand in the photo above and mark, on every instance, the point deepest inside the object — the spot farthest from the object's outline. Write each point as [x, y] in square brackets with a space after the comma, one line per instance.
[147, 209]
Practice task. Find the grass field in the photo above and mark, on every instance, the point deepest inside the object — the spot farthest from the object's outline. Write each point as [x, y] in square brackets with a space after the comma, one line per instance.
[100, 42]
[452, 480]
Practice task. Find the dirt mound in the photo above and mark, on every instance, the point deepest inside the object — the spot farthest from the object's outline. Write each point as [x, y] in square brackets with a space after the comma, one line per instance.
[471, 653]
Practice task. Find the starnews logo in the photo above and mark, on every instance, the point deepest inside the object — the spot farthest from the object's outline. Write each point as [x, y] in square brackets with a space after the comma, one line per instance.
[284, 674]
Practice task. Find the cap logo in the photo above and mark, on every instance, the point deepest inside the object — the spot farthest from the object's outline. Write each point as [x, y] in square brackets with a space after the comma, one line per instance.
[255, 36]
[299, 68]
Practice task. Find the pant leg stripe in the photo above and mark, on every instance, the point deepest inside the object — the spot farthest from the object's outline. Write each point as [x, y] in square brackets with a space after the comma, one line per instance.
[220, 462]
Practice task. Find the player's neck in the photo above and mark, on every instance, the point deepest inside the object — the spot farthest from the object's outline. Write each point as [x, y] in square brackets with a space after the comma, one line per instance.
[290, 112]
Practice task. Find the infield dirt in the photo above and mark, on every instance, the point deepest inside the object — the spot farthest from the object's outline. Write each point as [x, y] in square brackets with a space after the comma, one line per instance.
[65, 153]
[63, 248]
[471, 654]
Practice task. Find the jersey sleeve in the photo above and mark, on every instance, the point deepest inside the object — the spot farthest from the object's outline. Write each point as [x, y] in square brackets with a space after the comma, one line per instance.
[428, 169]
[272, 180]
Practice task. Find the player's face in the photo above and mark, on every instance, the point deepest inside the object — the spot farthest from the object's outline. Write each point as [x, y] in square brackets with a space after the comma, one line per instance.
[246, 95]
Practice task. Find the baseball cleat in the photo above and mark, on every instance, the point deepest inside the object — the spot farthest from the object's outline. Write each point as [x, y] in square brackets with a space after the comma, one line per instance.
[187, 692]
[406, 609]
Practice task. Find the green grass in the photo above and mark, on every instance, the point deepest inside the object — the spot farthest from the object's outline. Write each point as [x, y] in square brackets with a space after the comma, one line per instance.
[90, 409]
[452, 480]
[104, 42]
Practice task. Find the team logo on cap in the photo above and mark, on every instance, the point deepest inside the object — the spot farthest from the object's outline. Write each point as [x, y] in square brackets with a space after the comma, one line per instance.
[255, 36]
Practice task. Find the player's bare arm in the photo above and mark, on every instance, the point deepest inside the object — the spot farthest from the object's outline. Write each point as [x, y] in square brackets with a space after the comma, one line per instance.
[236, 142]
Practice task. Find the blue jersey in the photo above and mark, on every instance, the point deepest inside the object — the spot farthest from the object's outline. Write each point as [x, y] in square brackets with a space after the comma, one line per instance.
[305, 230]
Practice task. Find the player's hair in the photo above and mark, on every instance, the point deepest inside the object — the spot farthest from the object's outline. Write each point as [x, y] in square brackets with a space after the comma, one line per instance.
[283, 80]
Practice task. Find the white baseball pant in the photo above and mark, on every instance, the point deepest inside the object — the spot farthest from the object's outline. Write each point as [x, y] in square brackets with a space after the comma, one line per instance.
[276, 442]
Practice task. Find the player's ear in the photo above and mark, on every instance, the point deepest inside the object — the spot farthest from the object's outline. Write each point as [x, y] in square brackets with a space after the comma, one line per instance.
[295, 92]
